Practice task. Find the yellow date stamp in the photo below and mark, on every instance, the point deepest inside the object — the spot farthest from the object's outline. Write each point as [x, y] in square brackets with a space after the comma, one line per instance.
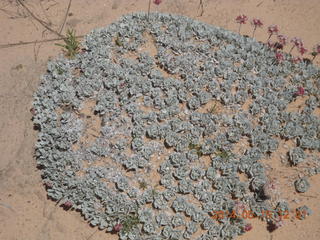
[248, 214]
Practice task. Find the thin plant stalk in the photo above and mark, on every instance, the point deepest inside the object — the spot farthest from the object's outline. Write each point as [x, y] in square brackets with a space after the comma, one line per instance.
[239, 28]
[149, 6]
[291, 49]
[254, 30]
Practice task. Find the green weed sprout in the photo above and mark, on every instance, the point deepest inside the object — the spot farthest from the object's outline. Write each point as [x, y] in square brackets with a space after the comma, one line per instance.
[71, 45]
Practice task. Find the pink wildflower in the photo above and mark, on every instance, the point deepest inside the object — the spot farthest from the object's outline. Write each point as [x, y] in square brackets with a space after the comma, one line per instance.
[282, 39]
[272, 29]
[248, 227]
[279, 57]
[300, 91]
[302, 50]
[241, 19]
[256, 23]
[67, 204]
[297, 42]
[157, 2]
[118, 227]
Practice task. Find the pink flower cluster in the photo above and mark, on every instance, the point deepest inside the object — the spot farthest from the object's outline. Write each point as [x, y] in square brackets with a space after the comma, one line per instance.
[281, 41]
[242, 19]
[256, 22]
[273, 29]
[297, 42]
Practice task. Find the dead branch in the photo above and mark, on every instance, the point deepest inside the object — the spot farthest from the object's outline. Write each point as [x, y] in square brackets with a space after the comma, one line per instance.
[65, 17]
[33, 42]
[44, 24]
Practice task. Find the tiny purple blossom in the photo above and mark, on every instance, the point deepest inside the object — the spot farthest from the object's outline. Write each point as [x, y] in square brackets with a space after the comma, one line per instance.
[118, 227]
[67, 205]
[157, 2]
[300, 91]
[282, 39]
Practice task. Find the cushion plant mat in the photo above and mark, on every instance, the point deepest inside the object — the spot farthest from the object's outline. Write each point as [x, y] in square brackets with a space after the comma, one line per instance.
[157, 123]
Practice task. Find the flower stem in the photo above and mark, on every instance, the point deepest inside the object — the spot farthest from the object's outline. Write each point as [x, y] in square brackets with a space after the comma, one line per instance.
[269, 37]
[149, 9]
[291, 49]
[254, 30]
[239, 28]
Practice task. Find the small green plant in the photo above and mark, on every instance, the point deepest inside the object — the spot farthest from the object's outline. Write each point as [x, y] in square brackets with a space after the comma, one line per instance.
[143, 185]
[129, 222]
[59, 70]
[223, 154]
[196, 147]
[213, 109]
[71, 45]
[118, 41]
[154, 192]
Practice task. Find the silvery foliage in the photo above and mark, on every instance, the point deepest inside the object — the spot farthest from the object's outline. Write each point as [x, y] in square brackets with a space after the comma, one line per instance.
[302, 185]
[296, 155]
[152, 105]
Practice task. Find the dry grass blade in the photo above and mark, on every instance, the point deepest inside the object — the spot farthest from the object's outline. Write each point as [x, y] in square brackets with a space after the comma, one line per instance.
[33, 42]
[65, 16]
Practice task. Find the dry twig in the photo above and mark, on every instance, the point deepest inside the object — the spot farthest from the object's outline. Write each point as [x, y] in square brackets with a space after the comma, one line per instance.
[65, 17]
[44, 24]
[33, 42]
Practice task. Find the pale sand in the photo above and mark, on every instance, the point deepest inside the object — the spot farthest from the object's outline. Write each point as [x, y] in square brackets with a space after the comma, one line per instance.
[25, 211]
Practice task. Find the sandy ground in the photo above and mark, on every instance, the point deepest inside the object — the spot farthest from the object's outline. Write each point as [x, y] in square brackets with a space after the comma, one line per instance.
[25, 211]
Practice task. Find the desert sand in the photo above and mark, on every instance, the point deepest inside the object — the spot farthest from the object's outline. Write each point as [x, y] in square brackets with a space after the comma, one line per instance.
[25, 211]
